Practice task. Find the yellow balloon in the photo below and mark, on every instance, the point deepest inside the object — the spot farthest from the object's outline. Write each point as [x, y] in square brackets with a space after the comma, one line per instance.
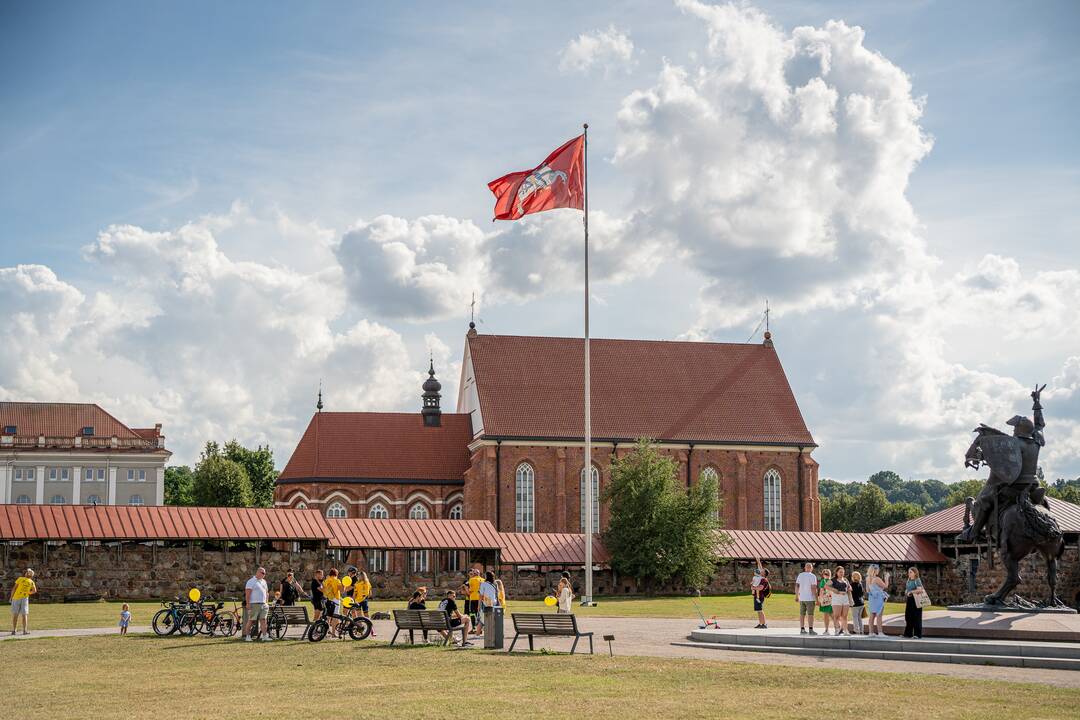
[347, 580]
[194, 594]
[347, 601]
[550, 600]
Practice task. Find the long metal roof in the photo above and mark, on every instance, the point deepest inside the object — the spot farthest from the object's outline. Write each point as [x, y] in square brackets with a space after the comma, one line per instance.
[400, 534]
[549, 549]
[123, 522]
[951, 520]
[868, 547]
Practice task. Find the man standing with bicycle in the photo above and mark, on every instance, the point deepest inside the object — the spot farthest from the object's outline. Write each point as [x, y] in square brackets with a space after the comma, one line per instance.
[256, 608]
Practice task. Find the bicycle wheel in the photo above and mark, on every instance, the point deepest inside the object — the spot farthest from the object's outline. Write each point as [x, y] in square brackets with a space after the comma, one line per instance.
[277, 626]
[360, 628]
[225, 625]
[164, 622]
[187, 624]
[318, 630]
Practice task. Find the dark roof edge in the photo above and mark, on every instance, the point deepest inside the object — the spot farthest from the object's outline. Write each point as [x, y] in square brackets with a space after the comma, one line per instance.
[695, 443]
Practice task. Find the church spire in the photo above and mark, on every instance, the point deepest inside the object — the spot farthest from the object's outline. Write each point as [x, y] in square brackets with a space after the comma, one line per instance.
[319, 405]
[431, 411]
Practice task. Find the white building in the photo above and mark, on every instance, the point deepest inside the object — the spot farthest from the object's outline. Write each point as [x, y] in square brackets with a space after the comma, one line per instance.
[78, 454]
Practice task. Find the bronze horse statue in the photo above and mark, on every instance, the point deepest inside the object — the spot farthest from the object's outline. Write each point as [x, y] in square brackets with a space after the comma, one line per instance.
[1012, 505]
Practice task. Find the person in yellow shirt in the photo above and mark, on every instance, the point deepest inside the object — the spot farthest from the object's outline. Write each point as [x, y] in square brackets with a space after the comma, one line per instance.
[332, 591]
[361, 593]
[472, 605]
[21, 591]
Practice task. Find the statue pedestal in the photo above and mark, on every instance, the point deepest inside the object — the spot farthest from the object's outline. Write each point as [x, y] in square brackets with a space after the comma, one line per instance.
[994, 625]
[981, 608]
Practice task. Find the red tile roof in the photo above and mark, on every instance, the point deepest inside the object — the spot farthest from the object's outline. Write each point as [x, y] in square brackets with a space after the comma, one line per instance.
[122, 522]
[380, 446]
[951, 520]
[837, 546]
[60, 423]
[690, 391]
[414, 534]
[549, 549]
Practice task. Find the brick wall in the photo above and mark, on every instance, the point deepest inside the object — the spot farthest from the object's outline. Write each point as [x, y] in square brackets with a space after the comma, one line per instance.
[359, 498]
[557, 486]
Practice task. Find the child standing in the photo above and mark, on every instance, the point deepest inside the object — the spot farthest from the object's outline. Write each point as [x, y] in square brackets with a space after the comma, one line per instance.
[125, 618]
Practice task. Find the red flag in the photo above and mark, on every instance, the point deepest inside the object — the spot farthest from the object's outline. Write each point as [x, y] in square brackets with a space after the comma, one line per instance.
[555, 183]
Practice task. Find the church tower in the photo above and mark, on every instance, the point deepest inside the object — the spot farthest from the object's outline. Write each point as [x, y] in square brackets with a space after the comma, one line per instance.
[431, 411]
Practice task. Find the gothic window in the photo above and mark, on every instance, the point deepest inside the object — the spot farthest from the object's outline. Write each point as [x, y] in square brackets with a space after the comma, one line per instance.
[336, 510]
[524, 500]
[595, 499]
[418, 512]
[378, 512]
[711, 474]
[301, 505]
[456, 512]
[773, 520]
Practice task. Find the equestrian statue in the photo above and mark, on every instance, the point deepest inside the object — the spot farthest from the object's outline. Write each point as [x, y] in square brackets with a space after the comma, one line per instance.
[1012, 505]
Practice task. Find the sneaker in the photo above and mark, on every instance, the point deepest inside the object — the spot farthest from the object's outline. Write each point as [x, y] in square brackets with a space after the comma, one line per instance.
[802, 631]
[247, 638]
[839, 632]
[812, 631]
[764, 627]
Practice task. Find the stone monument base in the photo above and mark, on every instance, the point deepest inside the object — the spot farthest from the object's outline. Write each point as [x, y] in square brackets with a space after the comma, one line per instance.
[994, 625]
[980, 607]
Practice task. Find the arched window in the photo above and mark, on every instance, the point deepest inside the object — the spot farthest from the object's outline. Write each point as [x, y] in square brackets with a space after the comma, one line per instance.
[709, 473]
[93, 500]
[456, 512]
[336, 510]
[378, 512]
[773, 520]
[418, 512]
[301, 505]
[135, 500]
[57, 500]
[524, 500]
[595, 499]
[23, 500]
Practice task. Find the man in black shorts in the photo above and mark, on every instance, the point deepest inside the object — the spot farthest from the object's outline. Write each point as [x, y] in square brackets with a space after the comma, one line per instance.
[449, 606]
[317, 598]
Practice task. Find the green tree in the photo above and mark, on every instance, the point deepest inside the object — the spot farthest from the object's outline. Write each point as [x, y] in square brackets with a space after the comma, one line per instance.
[660, 531]
[836, 513]
[870, 510]
[179, 485]
[887, 480]
[221, 482]
[1067, 490]
[259, 465]
[900, 512]
[959, 492]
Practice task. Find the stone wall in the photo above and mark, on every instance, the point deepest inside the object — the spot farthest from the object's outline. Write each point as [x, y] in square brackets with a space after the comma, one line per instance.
[989, 574]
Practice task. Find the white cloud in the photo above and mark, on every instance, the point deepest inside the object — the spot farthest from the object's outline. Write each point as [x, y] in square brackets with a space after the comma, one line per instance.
[608, 49]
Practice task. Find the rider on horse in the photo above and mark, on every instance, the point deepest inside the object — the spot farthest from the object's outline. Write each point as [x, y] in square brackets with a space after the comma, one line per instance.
[1007, 482]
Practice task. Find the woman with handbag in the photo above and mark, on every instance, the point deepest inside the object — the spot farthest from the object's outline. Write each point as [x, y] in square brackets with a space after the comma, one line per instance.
[912, 610]
[824, 598]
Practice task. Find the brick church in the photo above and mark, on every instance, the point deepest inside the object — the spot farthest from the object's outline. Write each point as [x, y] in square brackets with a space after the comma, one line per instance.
[513, 452]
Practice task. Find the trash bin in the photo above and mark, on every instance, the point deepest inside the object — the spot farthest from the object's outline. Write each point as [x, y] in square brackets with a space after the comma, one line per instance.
[493, 628]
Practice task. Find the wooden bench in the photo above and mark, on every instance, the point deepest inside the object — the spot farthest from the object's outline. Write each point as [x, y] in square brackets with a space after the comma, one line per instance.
[425, 621]
[294, 615]
[549, 625]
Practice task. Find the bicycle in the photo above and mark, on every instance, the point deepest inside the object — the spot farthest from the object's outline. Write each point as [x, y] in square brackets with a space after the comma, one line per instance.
[358, 627]
[174, 616]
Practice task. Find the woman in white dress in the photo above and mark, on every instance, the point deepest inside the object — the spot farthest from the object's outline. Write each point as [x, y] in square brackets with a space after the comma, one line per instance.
[565, 594]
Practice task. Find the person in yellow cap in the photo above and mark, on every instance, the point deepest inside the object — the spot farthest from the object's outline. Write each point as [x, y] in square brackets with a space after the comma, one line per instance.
[21, 591]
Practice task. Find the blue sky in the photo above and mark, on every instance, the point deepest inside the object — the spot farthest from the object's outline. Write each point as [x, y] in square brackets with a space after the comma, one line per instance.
[283, 131]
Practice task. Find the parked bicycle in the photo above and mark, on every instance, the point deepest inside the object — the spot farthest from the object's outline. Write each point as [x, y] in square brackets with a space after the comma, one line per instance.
[357, 627]
[174, 616]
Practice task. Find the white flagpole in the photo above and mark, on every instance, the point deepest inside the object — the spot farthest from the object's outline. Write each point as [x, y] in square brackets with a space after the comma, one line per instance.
[588, 489]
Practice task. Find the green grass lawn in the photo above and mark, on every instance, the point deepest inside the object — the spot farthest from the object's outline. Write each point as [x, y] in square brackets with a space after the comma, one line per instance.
[139, 676]
[781, 606]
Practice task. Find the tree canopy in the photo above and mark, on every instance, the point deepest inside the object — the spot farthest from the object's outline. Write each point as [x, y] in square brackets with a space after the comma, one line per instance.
[221, 482]
[179, 485]
[661, 531]
[259, 466]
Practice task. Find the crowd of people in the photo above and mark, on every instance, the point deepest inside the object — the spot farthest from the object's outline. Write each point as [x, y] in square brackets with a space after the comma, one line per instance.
[839, 599]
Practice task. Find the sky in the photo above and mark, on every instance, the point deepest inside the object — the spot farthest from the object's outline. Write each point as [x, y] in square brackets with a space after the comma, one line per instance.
[206, 208]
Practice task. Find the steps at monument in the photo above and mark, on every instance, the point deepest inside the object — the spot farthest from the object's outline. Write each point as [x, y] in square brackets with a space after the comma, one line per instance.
[1059, 656]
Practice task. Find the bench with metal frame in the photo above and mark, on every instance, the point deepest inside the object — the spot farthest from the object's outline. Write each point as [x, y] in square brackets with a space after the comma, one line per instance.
[425, 621]
[292, 615]
[548, 625]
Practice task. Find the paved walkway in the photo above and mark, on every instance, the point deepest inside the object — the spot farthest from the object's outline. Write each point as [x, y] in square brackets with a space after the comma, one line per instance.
[653, 637]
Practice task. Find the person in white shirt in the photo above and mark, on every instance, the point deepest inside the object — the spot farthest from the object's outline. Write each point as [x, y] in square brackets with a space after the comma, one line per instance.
[806, 585]
[255, 602]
